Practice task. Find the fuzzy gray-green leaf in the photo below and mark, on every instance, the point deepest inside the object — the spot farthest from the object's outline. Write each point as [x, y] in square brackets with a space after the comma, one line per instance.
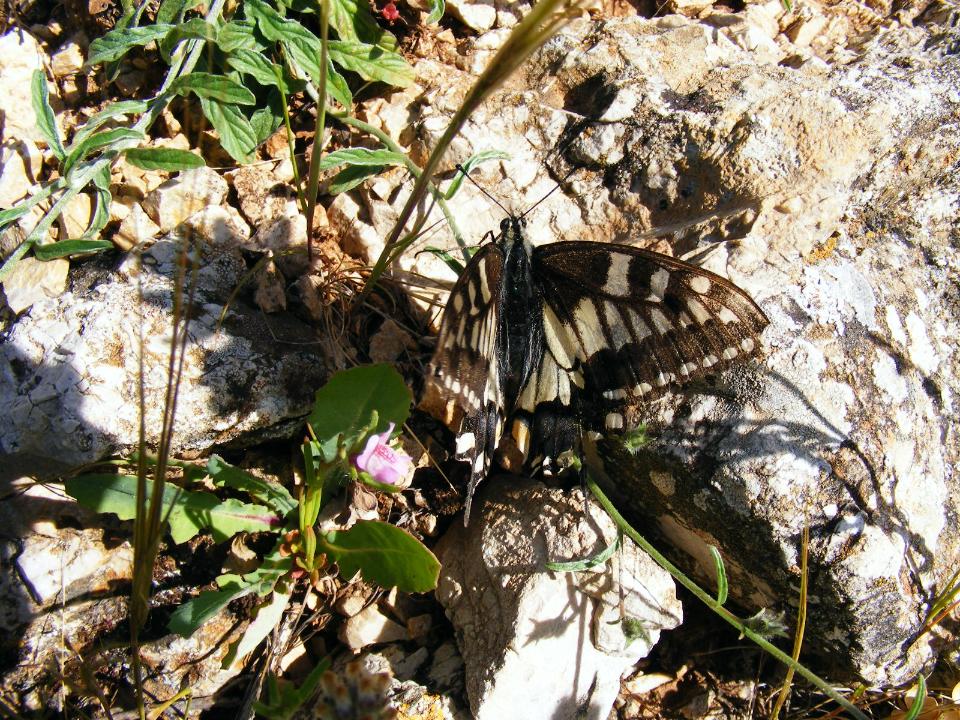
[46, 122]
[213, 87]
[169, 159]
[115, 44]
[372, 62]
[237, 135]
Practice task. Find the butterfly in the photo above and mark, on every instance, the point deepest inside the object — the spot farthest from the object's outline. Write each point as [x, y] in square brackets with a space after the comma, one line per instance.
[539, 345]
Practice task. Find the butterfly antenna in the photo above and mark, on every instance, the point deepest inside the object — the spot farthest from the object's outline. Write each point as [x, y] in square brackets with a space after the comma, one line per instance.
[555, 188]
[496, 202]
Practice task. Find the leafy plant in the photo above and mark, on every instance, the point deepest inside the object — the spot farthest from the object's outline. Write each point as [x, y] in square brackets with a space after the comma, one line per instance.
[240, 66]
[344, 424]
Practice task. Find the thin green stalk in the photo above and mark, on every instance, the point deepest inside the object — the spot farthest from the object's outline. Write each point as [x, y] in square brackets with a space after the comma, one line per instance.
[313, 177]
[297, 181]
[543, 20]
[148, 524]
[712, 603]
[801, 621]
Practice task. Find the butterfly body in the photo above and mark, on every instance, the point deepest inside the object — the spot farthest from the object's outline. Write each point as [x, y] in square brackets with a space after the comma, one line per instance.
[538, 345]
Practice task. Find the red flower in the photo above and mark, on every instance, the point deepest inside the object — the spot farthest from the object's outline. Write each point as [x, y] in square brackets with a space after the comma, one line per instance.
[390, 12]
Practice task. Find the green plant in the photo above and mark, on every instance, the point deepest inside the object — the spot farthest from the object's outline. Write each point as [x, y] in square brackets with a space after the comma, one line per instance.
[240, 67]
[353, 417]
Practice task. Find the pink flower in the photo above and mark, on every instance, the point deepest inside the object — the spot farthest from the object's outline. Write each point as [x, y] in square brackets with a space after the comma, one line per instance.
[390, 12]
[385, 464]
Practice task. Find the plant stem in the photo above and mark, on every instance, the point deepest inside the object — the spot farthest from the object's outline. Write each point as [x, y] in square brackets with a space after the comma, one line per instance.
[710, 602]
[313, 177]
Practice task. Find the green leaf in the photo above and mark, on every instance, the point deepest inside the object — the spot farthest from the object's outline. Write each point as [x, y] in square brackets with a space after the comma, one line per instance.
[274, 566]
[350, 178]
[367, 479]
[301, 46]
[635, 439]
[767, 623]
[99, 141]
[372, 63]
[237, 34]
[237, 135]
[436, 11]
[634, 629]
[191, 615]
[271, 23]
[303, 50]
[361, 156]
[22, 207]
[101, 211]
[213, 87]
[46, 122]
[264, 121]
[282, 704]
[346, 403]
[118, 109]
[163, 159]
[586, 563]
[115, 44]
[384, 554]
[721, 571]
[273, 494]
[470, 164]
[337, 87]
[101, 178]
[919, 700]
[267, 617]
[354, 21]
[101, 204]
[17, 211]
[193, 29]
[255, 65]
[189, 512]
[171, 11]
[65, 248]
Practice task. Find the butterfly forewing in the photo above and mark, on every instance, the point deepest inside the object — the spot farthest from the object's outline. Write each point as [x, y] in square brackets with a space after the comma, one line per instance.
[463, 386]
[635, 322]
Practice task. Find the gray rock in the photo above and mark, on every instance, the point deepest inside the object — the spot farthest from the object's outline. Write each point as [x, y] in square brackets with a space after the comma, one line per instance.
[819, 174]
[63, 590]
[69, 369]
[542, 644]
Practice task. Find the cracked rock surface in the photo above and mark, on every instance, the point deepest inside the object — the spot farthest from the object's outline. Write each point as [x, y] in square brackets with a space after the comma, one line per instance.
[542, 644]
[68, 375]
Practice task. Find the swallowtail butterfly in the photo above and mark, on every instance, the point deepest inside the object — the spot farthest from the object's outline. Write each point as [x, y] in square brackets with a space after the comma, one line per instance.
[540, 344]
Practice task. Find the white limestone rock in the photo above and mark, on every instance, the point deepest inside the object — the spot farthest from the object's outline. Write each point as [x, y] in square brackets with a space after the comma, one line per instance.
[541, 644]
[69, 369]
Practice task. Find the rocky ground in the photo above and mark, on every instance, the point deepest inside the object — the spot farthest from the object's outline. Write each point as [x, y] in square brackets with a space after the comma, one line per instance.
[810, 155]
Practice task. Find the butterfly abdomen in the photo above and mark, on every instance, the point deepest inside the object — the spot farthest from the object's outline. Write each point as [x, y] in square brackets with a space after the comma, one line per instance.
[520, 335]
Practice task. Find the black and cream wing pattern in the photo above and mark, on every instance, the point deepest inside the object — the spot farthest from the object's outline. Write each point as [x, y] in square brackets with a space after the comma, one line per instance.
[538, 345]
